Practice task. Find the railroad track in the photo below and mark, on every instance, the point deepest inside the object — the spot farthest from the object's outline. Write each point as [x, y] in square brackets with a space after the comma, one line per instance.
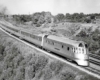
[88, 70]
[91, 69]
[94, 56]
[94, 63]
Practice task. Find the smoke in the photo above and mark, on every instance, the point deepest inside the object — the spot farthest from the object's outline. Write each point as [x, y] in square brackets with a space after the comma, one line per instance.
[3, 10]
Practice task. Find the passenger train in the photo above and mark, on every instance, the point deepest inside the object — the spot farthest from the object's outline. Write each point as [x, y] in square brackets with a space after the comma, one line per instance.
[74, 50]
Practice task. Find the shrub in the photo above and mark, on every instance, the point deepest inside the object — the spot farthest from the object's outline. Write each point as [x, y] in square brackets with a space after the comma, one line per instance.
[28, 58]
[47, 74]
[1, 50]
[96, 37]
[31, 72]
[56, 67]
[19, 76]
[94, 46]
[33, 60]
[67, 76]
[41, 63]
[39, 74]
[1, 68]
[82, 34]
[17, 60]
[6, 74]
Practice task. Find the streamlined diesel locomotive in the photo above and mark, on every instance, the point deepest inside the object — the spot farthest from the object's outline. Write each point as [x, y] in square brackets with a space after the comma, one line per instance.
[74, 50]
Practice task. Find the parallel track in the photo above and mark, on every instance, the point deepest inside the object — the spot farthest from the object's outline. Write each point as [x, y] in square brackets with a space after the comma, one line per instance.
[94, 72]
[95, 56]
[94, 63]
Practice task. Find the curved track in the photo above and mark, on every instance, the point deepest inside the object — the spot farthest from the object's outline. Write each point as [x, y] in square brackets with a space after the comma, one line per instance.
[84, 69]
[94, 63]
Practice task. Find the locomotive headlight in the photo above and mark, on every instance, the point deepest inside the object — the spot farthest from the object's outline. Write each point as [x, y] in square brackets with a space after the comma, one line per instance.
[81, 56]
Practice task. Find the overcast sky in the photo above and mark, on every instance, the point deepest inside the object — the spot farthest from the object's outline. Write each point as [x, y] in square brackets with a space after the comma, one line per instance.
[53, 6]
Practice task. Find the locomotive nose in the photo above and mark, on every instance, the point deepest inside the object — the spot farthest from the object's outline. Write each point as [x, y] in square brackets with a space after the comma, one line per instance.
[82, 59]
[82, 56]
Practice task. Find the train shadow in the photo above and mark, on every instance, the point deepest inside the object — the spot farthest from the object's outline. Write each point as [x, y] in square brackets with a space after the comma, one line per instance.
[65, 58]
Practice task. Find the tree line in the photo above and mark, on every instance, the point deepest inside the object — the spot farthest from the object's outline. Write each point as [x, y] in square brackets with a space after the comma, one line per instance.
[40, 18]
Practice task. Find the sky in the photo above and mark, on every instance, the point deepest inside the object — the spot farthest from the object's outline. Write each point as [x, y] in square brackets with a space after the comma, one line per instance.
[53, 6]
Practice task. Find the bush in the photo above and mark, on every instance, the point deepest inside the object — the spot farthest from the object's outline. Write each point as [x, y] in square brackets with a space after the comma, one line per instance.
[94, 46]
[6, 74]
[1, 50]
[28, 58]
[17, 60]
[31, 72]
[56, 67]
[82, 34]
[39, 74]
[41, 63]
[67, 76]
[96, 37]
[47, 74]
[19, 76]
[35, 66]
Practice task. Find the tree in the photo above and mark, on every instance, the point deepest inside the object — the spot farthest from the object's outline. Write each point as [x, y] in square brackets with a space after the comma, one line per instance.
[87, 20]
[82, 34]
[3, 10]
[68, 16]
[60, 17]
[41, 18]
[94, 46]
[38, 19]
[92, 16]
[96, 35]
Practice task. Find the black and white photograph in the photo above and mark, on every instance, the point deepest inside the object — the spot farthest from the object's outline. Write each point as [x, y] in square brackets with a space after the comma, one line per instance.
[49, 39]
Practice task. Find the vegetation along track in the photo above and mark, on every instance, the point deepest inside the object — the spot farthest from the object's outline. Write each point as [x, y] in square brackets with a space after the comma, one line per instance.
[92, 71]
[94, 63]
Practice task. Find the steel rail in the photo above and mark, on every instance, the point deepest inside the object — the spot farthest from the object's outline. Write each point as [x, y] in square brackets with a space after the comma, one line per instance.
[54, 56]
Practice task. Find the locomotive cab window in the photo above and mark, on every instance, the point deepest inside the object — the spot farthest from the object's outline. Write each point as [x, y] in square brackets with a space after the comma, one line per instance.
[80, 45]
[62, 46]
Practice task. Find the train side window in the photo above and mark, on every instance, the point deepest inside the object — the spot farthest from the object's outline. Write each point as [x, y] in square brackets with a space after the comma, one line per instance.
[50, 42]
[37, 38]
[32, 36]
[62, 46]
[40, 39]
[46, 41]
[53, 43]
[68, 48]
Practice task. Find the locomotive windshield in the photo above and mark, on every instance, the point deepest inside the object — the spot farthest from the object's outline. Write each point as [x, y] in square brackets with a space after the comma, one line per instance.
[80, 45]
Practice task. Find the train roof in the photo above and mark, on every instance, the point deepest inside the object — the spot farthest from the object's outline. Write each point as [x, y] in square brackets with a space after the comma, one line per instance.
[65, 40]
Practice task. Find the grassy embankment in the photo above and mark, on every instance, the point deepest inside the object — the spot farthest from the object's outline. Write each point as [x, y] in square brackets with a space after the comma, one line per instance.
[20, 62]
